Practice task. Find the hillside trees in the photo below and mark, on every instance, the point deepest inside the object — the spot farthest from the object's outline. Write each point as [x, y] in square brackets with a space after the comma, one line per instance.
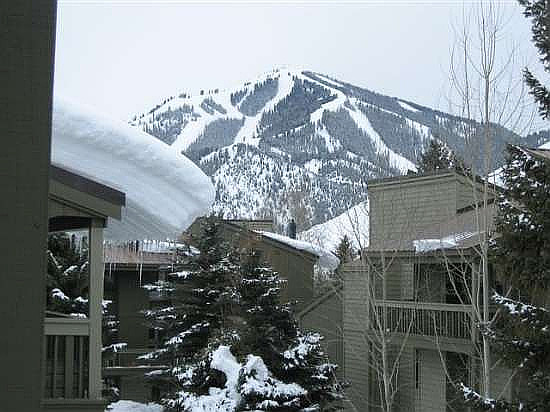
[438, 157]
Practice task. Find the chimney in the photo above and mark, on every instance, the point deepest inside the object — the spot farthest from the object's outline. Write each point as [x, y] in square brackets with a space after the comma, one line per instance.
[292, 229]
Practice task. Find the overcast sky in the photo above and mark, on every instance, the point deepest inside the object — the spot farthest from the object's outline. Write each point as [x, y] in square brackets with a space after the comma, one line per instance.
[124, 57]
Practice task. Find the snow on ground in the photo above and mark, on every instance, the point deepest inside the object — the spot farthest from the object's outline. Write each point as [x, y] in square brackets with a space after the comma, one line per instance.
[313, 165]
[354, 223]
[407, 106]
[331, 143]
[251, 124]
[331, 106]
[131, 406]
[423, 130]
[164, 190]
[328, 80]
[327, 259]
[396, 160]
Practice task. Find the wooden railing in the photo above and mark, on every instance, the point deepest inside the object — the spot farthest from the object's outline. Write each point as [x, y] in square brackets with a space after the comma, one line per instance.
[132, 252]
[427, 319]
[126, 358]
[66, 358]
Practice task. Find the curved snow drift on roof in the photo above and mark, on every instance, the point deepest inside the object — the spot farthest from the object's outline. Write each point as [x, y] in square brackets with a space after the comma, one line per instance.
[164, 191]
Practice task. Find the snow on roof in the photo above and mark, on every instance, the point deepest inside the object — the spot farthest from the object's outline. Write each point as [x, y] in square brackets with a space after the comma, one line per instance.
[447, 242]
[327, 259]
[164, 190]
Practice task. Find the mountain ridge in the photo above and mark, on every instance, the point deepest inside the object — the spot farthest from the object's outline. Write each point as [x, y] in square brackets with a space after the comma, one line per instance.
[301, 144]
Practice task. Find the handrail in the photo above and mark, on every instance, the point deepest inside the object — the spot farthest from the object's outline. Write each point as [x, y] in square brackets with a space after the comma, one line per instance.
[426, 318]
[66, 326]
[425, 305]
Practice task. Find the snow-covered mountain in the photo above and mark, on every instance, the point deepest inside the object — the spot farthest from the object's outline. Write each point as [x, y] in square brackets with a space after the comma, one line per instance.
[300, 143]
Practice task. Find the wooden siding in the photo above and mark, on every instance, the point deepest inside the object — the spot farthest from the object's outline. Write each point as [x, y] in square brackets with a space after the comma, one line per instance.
[326, 318]
[432, 382]
[131, 299]
[356, 371]
[27, 50]
[400, 213]
[406, 390]
[355, 296]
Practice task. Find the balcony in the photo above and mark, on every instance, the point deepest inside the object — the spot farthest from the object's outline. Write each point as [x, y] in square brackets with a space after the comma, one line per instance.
[126, 362]
[436, 320]
[66, 365]
[66, 358]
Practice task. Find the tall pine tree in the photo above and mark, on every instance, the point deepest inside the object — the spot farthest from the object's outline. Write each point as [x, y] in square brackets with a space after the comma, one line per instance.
[344, 250]
[292, 356]
[539, 13]
[261, 361]
[523, 222]
[200, 301]
[522, 334]
[521, 256]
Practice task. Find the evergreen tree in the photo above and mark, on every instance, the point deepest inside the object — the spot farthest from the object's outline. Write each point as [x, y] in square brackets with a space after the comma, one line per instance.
[67, 275]
[521, 256]
[523, 248]
[344, 251]
[539, 12]
[522, 339]
[260, 361]
[521, 335]
[291, 355]
[200, 303]
[438, 158]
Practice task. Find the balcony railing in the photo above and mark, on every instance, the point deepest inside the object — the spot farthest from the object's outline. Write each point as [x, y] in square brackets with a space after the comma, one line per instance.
[427, 319]
[125, 358]
[66, 358]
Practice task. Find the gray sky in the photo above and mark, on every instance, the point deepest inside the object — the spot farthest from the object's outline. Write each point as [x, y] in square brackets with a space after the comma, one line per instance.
[124, 57]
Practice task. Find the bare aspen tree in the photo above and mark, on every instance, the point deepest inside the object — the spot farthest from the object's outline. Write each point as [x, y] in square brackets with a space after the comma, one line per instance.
[488, 92]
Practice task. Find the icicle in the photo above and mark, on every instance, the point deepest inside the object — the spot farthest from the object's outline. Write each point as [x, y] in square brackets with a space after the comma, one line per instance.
[140, 258]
